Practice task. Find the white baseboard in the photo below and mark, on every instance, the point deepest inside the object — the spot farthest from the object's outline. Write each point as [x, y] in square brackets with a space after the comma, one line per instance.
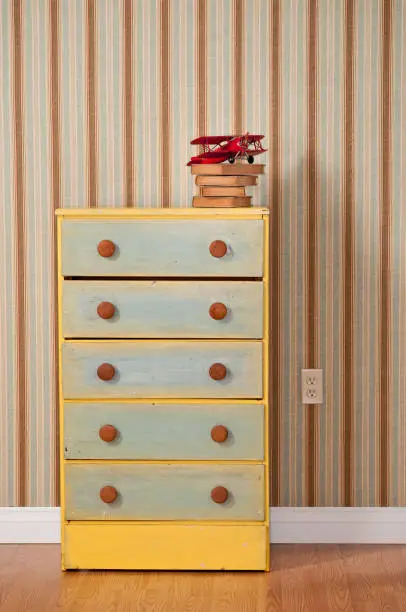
[288, 525]
[338, 525]
[30, 526]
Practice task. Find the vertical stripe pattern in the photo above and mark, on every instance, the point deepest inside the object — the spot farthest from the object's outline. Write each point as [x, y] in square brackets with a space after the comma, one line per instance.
[91, 101]
[55, 197]
[238, 51]
[113, 177]
[99, 103]
[386, 266]
[256, 108]
[73, 105]
[396, 422]
[348, 230]
[165, 104]
[38, 175]
[201, 66]
[147, 122]
[128, 101]
[9, 397]
[329, 144]
[365, 446]
[291, 265]
[20, 221]
[274, 191]
[312, 223]
[184, 83]
[219, 62]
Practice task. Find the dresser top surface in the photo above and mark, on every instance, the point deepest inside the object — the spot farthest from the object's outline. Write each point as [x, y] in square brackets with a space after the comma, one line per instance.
[164, 213]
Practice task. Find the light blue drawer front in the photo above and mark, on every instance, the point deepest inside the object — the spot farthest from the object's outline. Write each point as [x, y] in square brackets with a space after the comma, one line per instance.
[164, 492]
[162, 309]
[167, 369]
[162, 248]
[164, 431]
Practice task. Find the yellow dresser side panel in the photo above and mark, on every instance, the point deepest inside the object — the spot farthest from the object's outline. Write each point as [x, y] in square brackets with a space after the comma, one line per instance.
[165, 547]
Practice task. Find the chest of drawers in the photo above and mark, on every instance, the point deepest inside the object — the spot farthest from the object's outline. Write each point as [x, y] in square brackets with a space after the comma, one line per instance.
[163, 379]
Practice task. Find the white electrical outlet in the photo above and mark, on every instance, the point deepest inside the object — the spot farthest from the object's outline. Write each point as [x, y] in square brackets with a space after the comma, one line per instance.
[312, 386]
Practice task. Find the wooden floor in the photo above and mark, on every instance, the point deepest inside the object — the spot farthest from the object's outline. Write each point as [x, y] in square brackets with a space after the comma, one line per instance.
[313, 578]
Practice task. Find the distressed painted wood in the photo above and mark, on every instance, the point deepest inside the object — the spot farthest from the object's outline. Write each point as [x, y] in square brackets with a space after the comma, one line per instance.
[164, 431]
[162, 247]
[172, 369]
[255, 212]
[166, 546]
[162, 309]
[164, 492]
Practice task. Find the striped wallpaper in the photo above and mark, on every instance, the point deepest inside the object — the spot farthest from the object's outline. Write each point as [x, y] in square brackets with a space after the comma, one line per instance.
[99, 100]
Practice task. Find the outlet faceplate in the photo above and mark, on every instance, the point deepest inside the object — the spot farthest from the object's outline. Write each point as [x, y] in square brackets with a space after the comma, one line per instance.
[312, 386]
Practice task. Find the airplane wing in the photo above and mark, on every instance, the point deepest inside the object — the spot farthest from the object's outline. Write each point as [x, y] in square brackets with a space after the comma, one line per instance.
[210, 140]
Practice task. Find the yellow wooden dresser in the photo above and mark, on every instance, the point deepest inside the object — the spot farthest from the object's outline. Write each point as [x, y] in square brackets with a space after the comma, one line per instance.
[163, 329]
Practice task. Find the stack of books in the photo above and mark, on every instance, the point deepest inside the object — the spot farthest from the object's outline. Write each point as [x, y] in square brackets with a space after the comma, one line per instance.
[223, 185]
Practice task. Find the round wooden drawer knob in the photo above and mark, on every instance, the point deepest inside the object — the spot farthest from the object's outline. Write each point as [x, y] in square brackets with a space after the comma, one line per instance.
[106, 310]
[108, 494]
[106, 248]
[219, 495]
[219, 434]
[218, 371]
[106, 371]
[108, 433]
[218, 248]
[218, 311]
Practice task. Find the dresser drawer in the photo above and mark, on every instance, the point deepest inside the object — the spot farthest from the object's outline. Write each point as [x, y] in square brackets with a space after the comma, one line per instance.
[162, 309]
[166, 546]
[137, 247]
[164, 492]
[163, 431]
[171, 369]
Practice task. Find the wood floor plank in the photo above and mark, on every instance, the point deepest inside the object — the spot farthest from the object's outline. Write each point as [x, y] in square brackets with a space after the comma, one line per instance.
[369, 585]
[334, 579]
[303, 578]
[395, 564]
[302, 586]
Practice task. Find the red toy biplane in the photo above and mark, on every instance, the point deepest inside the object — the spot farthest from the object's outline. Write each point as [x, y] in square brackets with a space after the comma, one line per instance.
[217, 149]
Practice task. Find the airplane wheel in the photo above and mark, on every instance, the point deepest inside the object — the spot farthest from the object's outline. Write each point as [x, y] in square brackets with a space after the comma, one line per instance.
[231, 160]
[250, 159]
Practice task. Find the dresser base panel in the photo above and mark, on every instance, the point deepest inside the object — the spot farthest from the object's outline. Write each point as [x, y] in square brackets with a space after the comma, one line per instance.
[165, 547]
